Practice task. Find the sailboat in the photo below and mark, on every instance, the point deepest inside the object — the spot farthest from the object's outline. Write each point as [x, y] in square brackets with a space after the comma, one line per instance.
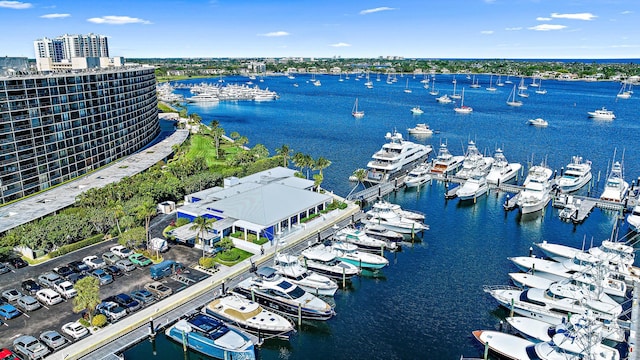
[463, 109]
[522, 86]
[499, 82]
[355, 112]
[508, 81]
[433, 91]
[511, 101]
[540, 90]
[454, 95]
[378, 78]
[534, 83]
[474, 83]
[406, 89]
[369, 83]
[340, 78]
[624, 93]
[491, 88]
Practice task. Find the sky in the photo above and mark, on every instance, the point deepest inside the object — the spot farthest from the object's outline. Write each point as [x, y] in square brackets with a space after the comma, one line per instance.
[494, 29]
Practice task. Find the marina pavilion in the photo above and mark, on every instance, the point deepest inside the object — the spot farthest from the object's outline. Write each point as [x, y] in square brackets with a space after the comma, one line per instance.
[267, 205]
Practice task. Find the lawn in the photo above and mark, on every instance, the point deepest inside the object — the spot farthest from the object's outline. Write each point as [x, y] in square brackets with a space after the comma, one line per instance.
[232, 257]
[203, 146]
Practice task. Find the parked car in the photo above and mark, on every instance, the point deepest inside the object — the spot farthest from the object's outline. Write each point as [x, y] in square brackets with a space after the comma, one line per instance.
[79, 266]
[143, 296]
[158, 289]
[111, 310]
[94, 262]
[11, 295]
[8, 311]
[139, 259]
[18, 263]
[165, 268]
[28, 303]
[76, 276]
[4, 269]
[6, 354]
[64, 271]
[121, 251]
[110, 258]
[53, 339]
[30, 286]
[30, 347]
[126, 301]
[48, 297]
[65, 288]
[125, 265]
[75, 330]
[103, 277]
[114, 271]
[48, 279]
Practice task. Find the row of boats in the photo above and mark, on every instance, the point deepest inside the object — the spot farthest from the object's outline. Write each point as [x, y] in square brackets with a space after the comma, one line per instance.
[267, 303]
[566, 304]
[211, 93]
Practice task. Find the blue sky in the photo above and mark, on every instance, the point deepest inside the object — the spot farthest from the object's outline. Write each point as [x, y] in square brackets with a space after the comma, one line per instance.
[325, 28]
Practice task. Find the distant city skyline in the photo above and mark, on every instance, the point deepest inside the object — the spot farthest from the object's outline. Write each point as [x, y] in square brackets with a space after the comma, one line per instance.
[495, 29]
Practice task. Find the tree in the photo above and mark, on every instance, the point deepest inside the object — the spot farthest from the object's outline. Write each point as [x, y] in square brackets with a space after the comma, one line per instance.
[202, 225]
[308, 163]
[145, 211]
[321, 164]
[88, 296]
[133, 237]
[317, 180]
[226, 244]
[217, 133]
[260, 151]
[299, 161]
[285, 152]
[360, 175]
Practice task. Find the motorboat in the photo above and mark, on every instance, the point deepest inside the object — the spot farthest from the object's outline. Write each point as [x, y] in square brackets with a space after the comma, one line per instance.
[417, 111]
[360, 239]
[289, 266]
[602, 114]
[210, 336]
[538, 122]
[444, 99]
[501, 170]
[577, 175]
[203, 98]
[418, 176]
[615, 189]
[395, 157]
[609, 286]
[610, 251]
[473, 188]
[503, 344]
[420, 129]
[537, 330]
[537, 190]
[383, 206]
[394, 221]
[250, 316]
[382, 233]
[445, 163]
[633, 219]
[474, 162]
[349, 253]
[322, 261]
[273, 291]
[581, 263]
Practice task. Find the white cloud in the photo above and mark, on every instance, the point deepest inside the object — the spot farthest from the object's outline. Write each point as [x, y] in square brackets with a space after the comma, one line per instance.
[275, 34]
[486, 32]
[626, 12]
[15, 5]
[375, 10]
[547, 27]
[54, 16]
[540, 18]
[340, 44]
[489, 1]
[576, 16]
[118, 20]
[513, 28]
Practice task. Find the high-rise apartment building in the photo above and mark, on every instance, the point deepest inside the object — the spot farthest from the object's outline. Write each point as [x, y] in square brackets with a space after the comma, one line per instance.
[73, 52]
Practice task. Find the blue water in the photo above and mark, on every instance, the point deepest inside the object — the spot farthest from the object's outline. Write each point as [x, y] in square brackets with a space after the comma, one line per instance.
[427, 302]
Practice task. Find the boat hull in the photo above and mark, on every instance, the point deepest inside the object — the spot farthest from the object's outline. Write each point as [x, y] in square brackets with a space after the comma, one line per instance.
[207, 347]
[576, 185]
[283, 308]
[533, 207]
[261, 332]
[363, 264]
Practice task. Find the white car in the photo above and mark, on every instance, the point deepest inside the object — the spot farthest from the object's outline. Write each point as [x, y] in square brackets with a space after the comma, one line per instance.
[75, 330]
[94, 262]
[121, 251]
[48, 297]
[65, 288]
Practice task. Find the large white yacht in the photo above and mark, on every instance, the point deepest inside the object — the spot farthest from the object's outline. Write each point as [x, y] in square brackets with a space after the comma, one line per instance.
[322, 261]
[612, 251]
[289, 266]
[446, 163]
[395, 157]
[616, 188]
[537, 190]
[633, 219]
[418, 176]
[474, 162]
[502, 171]
[602, 114]
[577, 175]
[360, 239]
[474, 187]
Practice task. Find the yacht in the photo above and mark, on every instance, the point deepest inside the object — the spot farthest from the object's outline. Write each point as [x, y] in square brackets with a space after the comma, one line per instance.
[506, 345]
[615, 189]
[577, 175]
[391, 220]
[420, 129]
[610, 287]
[553, 270]
[501, 170]
[418, 176]
[538, 122]
[473, 188]
[537, 330]
[474, 162]
[270, 289]
[444, 99]
[249, 316]
[417, 111]
[537, 190]
[633, 219]
[289, 266]
[610, 251]
[446, 163]
[602, 114]
[380, 232]
[211, 337]
[383, 206]
[203, 98]
[360, 239]
[349, 253]
[324, 262]
[395, 157]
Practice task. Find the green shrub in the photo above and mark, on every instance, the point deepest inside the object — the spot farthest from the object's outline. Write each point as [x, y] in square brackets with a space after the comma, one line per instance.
[228, 256]
[182, 222]
[207, 262]
[76, 246]
[99, 320]
[84, 322]
[308, 218]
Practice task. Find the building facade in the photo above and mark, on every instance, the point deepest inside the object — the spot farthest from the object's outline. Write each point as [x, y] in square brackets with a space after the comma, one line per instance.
[58, 126]
[73, 52]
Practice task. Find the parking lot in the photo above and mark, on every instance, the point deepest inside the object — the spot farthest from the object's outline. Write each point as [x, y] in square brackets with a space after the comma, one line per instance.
[55, 316]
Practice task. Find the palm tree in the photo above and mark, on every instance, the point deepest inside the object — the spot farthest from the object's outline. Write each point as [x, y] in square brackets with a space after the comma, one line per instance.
[284, 151]
[202, 225]
[308, 163]
[145, 211]
[321, 164]
[217, 133]
[298, 160]
[88, 296]
[360, 175]
[116, 209]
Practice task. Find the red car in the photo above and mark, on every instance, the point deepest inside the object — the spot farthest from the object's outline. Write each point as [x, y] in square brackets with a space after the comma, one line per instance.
[6, 354]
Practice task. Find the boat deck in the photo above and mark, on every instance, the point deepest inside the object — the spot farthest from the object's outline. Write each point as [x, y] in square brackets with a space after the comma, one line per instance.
[635, 322]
